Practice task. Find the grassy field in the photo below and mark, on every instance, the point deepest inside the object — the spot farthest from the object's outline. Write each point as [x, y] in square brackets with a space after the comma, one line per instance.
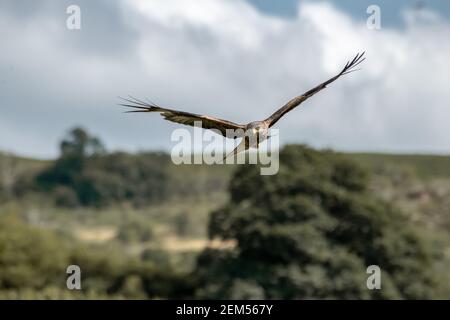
[426, 166]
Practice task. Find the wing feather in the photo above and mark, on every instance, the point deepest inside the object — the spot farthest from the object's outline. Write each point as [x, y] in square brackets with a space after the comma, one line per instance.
[185, 118]
[291, 104]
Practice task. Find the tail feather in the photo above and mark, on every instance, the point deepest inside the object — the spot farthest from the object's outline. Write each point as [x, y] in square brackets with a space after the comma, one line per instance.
[242, 146]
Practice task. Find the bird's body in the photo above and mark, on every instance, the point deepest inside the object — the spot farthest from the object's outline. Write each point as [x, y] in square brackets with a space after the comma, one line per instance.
[258, 131]
[252, 133]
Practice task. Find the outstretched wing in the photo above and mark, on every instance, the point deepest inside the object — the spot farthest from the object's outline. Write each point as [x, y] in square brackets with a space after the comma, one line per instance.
[185, 118]
[349, 67]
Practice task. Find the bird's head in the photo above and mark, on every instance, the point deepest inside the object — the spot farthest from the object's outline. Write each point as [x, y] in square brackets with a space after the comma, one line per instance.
[257, 128]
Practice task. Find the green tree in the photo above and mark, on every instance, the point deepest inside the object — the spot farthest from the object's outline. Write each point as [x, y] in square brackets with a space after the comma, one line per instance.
[310, 232]
[85, 174]
[29, 257]
[80, 144]
[75, 149]
[33, 265]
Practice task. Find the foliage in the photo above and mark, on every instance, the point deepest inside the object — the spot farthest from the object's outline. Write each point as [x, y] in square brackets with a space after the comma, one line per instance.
[33, 265]
[135, 231]
[86, 175]
[310, 232]
[29, 257]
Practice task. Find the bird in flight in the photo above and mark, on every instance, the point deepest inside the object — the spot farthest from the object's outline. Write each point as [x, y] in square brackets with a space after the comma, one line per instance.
[253, 133]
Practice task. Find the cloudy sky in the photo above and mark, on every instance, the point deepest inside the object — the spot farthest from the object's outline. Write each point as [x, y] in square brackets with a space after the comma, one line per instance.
[233, 59]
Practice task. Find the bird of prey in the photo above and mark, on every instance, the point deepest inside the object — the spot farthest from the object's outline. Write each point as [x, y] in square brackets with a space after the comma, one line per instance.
[253, 133]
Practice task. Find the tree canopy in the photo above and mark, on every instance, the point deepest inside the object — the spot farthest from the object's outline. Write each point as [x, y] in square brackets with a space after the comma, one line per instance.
[311, 231]
[85, 174]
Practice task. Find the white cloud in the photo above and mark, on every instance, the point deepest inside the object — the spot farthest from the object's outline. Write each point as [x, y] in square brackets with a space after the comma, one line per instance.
[226, 59]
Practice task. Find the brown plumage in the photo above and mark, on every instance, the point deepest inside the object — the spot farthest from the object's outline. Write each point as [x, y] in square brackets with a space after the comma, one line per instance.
[291, 104]
[182, 117]
[253, 128]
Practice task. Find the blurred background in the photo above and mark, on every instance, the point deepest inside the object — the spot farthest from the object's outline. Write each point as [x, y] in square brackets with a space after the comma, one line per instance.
[364, 166]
